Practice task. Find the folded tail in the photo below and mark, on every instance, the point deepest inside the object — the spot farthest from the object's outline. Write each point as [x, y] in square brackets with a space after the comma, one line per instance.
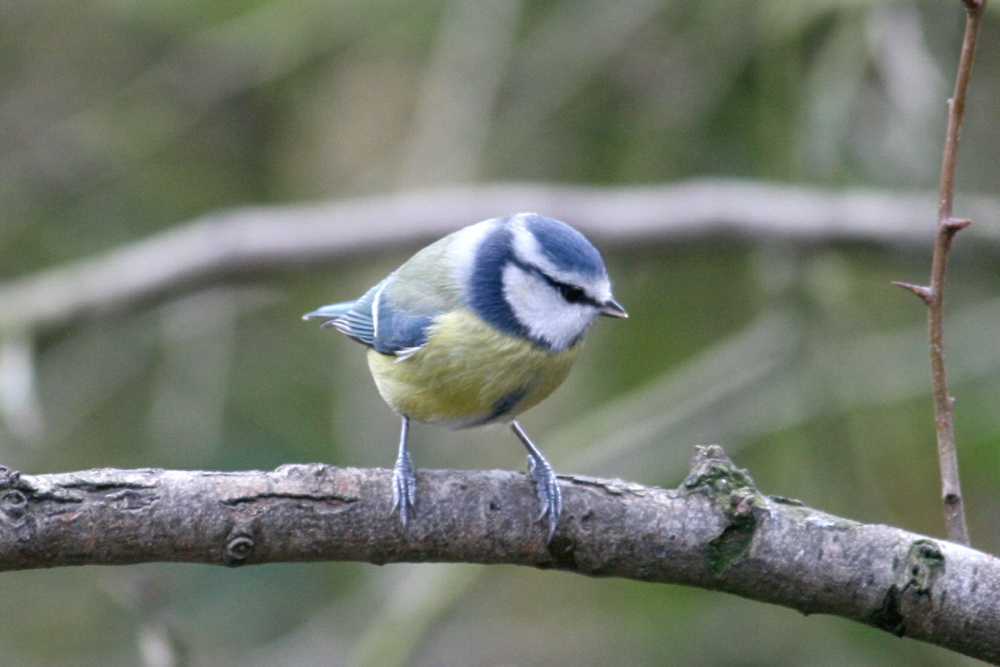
[332, 312]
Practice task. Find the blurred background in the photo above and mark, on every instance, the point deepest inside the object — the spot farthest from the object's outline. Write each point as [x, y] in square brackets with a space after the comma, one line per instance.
[120, 120]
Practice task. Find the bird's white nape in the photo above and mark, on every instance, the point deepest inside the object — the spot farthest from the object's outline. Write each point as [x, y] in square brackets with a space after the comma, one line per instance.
[464, 248]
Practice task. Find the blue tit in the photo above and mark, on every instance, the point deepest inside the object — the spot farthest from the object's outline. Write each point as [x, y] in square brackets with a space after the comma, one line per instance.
[477, 328]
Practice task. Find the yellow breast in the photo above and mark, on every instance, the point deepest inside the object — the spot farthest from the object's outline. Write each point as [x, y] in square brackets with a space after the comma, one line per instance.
[469, 374]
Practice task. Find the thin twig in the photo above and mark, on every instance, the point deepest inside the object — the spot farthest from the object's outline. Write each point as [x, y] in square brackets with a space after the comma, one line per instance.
[933, 294]
[951, 488]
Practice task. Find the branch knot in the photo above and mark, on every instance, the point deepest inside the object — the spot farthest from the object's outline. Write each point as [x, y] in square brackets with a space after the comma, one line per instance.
[239, 547]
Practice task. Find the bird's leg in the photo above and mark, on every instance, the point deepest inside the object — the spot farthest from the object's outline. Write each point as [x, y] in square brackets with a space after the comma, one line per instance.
[404, 480]
[546, 483]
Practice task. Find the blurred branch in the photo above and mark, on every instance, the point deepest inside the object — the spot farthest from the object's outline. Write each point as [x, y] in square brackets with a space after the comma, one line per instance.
[716, 531]
[221, 244]
[933, 294]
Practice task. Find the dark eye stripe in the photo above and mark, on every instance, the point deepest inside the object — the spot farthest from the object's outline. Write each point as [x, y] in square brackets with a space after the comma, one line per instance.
[571, 293]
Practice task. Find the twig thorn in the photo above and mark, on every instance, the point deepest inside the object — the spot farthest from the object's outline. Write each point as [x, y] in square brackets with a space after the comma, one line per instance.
[955, 224]
[922, 291]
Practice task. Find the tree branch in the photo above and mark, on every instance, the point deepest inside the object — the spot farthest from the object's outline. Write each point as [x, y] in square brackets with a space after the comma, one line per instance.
[220, 244]
[716, 531]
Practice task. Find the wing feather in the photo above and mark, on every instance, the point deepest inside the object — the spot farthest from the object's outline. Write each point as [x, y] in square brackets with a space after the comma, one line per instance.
[373, 322]
[395, 316]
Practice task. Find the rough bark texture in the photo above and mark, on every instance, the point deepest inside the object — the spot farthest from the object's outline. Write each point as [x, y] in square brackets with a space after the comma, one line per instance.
[716, 531]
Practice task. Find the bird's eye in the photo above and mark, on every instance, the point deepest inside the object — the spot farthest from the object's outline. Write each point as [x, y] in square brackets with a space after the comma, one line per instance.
[572, 293]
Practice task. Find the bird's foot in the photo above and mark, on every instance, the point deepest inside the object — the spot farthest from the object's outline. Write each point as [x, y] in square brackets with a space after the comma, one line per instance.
[404, 487]
[547, 488]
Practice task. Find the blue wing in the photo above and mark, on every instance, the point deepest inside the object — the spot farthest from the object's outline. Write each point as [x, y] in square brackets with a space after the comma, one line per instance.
[371, 321]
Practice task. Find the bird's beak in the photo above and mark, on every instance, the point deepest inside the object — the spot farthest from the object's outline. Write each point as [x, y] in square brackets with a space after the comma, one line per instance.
[612, 308]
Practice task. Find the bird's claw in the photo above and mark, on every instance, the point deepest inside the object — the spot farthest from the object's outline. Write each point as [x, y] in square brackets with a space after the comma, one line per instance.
[404, 487]
[547, 488]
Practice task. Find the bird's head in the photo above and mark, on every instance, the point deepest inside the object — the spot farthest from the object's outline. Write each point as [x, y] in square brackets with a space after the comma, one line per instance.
[537, 278]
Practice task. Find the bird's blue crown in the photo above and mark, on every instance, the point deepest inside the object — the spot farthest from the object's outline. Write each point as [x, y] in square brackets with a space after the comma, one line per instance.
[565, 247]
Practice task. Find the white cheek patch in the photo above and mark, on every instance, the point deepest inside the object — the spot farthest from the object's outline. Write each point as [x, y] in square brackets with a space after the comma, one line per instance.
[542, 310]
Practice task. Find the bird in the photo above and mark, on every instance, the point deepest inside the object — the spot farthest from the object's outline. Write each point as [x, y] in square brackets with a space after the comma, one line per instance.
[476, 328]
